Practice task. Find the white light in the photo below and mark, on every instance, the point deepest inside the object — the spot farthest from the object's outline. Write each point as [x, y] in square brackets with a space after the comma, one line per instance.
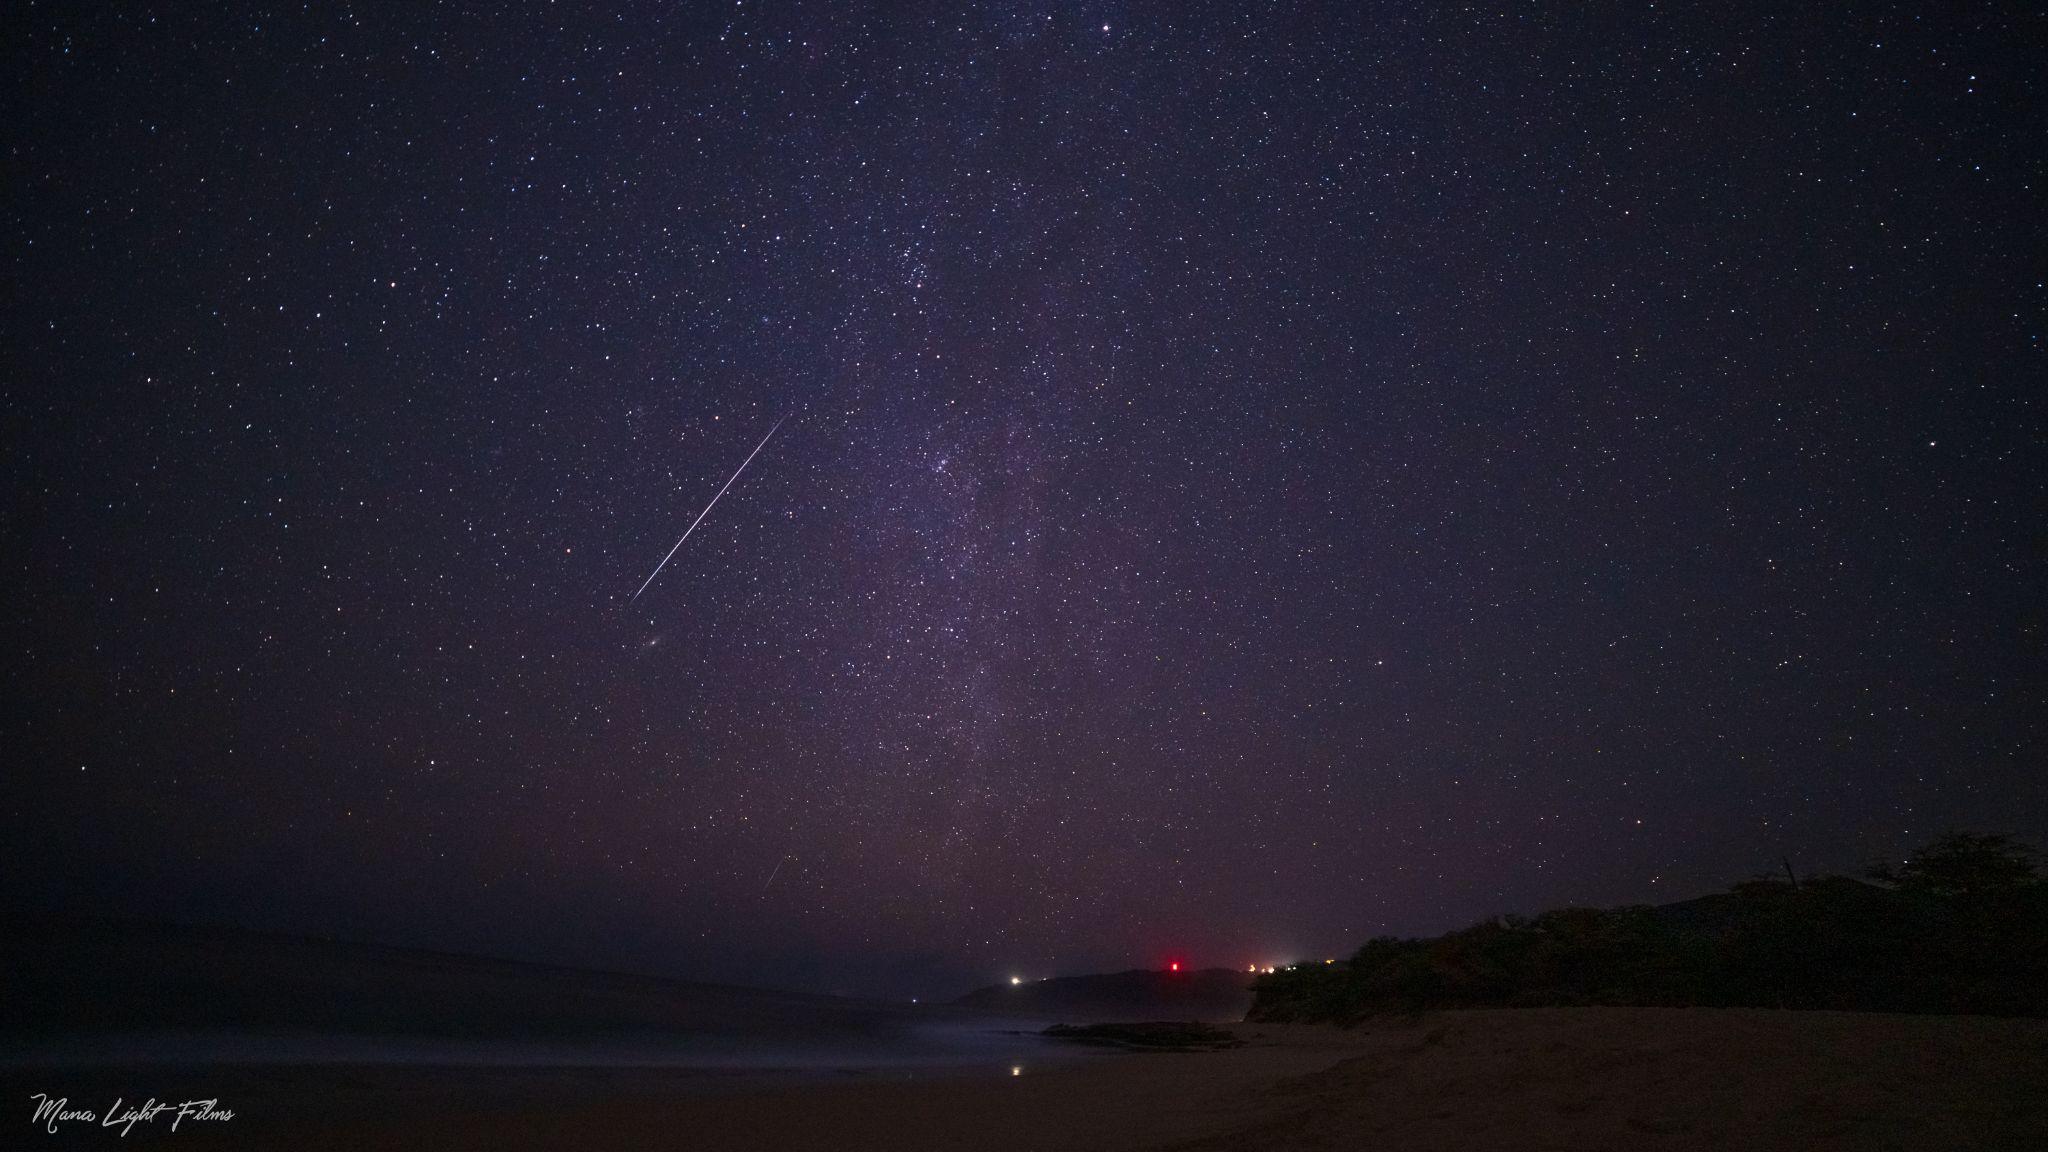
[1016, 1069]
[1016, 979]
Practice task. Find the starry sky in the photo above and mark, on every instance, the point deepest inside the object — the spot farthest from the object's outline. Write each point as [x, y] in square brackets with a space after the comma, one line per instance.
[1249, 477]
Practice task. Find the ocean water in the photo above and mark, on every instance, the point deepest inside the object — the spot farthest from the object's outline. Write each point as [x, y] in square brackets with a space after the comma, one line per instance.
[965, 1044]
[85, 995]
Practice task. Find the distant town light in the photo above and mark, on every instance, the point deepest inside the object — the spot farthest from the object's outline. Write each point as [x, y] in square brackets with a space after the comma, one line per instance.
[1016, 979]
[1016, 1069]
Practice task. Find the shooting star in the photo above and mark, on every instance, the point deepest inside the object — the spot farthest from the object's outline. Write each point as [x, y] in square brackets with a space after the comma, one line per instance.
[771, 874]
[706, 511]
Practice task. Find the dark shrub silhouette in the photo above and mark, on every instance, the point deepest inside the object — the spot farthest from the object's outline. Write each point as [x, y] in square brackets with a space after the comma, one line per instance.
[1961, 926]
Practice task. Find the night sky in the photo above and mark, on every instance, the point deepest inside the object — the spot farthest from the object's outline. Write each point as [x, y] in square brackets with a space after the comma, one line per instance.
[1250, 477]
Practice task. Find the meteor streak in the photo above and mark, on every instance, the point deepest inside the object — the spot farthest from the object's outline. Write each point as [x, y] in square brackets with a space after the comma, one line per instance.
[706, 511]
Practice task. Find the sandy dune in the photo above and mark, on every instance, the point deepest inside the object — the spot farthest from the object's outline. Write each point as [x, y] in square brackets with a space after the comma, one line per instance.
[1673, 1079]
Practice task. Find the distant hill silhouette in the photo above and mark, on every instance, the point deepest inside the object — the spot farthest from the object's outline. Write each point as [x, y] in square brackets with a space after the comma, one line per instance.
[1210, 994]
[60, 976]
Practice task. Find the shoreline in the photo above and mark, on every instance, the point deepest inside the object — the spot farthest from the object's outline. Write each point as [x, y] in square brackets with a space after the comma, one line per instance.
[1679, 1078]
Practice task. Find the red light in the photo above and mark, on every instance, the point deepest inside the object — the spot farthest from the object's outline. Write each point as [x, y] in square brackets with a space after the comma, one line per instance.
[1173, 967]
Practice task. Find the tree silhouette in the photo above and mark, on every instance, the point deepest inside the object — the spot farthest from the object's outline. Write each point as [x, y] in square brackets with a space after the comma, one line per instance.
[1962, 864]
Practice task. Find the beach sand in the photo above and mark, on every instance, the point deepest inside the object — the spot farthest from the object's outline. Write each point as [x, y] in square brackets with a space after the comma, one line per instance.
[1535, 1079]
